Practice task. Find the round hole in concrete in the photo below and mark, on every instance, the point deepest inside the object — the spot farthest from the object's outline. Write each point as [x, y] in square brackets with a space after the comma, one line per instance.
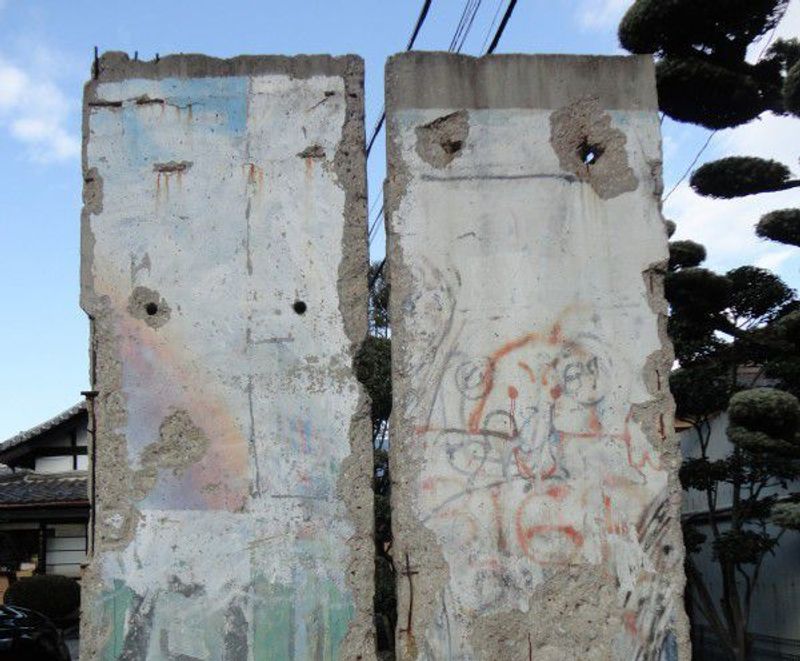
[589, 153]
[300, 307]
[151, 309]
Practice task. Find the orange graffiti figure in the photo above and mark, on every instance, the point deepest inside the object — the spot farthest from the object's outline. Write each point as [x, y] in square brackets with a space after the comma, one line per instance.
[548, 436]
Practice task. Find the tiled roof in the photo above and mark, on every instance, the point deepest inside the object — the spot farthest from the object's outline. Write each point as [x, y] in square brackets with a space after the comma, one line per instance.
[47, 425]
[25, 487]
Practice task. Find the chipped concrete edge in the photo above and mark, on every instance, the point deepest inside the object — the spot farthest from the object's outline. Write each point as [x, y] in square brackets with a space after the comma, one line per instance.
[109, 449]
[656, 373]
[354, 485]
[414, 546]
[115, 65]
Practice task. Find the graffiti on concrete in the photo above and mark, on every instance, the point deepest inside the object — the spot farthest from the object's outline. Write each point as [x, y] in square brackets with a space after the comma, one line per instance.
[533, 460]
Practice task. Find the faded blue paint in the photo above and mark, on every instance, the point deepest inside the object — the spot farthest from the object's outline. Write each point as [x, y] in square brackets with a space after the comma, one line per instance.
[115, 604]
[225, 97]
[306, 620]
[215, 105]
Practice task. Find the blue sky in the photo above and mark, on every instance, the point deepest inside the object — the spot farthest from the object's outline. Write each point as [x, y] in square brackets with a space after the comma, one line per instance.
[45, 56]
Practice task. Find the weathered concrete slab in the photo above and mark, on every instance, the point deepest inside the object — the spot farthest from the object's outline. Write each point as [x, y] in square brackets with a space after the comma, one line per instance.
[535, 499]
[224, 270]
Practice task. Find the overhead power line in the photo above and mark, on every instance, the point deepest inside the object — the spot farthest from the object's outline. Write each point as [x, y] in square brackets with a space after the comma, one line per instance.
[496, 40]
[375, 132]
[468, 29]
[491, 25]
[420, 20]
[374, 224]
[423, 14]
[502, 27]
[691, 165]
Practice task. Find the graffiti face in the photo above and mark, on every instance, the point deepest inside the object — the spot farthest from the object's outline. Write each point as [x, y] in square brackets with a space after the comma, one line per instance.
[536, 458]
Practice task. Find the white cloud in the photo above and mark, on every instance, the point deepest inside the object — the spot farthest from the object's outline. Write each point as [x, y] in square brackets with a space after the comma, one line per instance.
[35, 111]
[726, 227]
[597, 15]
[774, 260]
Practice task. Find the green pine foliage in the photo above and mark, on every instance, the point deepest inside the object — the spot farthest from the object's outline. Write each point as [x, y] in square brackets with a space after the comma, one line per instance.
[685, 254]
[782, 226]
[732, 332]
[737, 176]
[791, 90]
[703, 75]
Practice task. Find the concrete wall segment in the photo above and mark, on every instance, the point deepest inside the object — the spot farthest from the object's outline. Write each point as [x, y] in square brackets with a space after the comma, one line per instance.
[233, 513]
[535, 494]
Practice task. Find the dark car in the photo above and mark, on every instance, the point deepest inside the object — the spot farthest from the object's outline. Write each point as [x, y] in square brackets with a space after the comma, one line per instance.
[26, 635]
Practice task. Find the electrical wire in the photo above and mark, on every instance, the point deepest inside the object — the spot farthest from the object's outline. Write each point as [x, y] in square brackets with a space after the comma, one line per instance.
[496, 40]
[461, 23]
[691, 165]
[469, 25]
[502, 27]
[713, 133]
[491, 26]
[423, 14]
[374, 225]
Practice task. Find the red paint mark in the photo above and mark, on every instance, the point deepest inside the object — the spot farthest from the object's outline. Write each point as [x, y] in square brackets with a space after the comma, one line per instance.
[502, 545]
[513, 393]
[555, 334]
[608, 514]
[646, 458]
[594, 422]
[661, 427]
[629, 618]
[555, 392]
[527, 369]
[557, 493]
[476, 416]
[428, 484]
[526, 535]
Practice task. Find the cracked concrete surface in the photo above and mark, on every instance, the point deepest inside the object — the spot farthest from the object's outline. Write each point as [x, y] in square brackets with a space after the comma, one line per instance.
[535, 495]
[233, 511]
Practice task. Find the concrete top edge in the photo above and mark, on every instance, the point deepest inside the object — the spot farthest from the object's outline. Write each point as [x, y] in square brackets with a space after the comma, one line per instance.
[420, 79]
[114, 66]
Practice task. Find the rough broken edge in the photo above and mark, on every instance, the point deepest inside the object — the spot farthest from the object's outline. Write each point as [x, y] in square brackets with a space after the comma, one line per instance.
[410, 83]
[107, 410]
